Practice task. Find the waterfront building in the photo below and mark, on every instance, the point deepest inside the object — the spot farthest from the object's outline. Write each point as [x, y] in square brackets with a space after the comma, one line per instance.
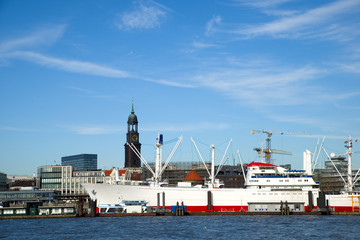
[29, 198]
[111, 176]
[3, 178]
[132, 137]
[15, 178]
[73, 184]
[65, 179]
[49, 177]
[23, 184]
[81, 162]
[330, 179]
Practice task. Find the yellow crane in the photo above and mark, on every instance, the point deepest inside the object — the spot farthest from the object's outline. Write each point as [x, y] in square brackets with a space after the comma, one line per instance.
[268, 151]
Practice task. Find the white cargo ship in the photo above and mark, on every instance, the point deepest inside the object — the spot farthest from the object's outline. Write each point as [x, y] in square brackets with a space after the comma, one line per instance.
[267, 188]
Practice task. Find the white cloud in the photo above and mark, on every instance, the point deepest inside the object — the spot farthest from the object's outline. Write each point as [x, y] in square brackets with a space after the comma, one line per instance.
[95, 130]
[16, 129]
[143, 17]
[353, 67]
[263, 85]
[263, 3]
[210, 25]
[173, 127]
[45, 36]
[85, 68]
[300, 24]
[282, 13]
[202, 45]
[69, 65]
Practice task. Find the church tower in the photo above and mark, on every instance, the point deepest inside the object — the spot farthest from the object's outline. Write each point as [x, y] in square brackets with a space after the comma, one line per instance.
[132, 136]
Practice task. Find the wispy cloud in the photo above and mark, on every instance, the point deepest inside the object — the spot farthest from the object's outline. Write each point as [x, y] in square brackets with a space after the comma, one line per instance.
[353, 67]
[210, 25]
[301, 24]
[263, 85]
[281, 13]
[16, 129]
[69, 65]
[203, 45]
[147, 16]
[95, 130]
[173, 127]
[186, 127]
[45, 36]
[91, 93]
[86, 68]
[18, 49]
[262, 3]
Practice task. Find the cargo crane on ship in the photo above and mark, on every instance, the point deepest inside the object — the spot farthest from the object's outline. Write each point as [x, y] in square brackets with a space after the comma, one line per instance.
[268, 150]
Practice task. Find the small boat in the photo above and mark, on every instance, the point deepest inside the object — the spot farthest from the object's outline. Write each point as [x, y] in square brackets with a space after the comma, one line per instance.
[123, 207]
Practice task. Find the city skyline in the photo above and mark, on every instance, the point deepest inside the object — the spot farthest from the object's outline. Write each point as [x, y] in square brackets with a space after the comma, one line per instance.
[212, 70]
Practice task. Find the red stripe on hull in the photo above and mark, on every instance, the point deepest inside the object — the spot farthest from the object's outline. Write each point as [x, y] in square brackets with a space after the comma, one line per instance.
[215, 209]
[231, 209]
[341, 208]
[307, 209]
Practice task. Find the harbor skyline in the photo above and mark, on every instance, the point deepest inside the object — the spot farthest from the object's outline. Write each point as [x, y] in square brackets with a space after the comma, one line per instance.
[207, 69]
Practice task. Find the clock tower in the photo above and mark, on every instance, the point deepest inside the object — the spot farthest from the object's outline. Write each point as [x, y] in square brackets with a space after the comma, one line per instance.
[132, 137]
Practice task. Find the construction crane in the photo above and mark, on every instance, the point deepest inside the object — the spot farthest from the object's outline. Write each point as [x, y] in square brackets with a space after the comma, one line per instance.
[268, 151]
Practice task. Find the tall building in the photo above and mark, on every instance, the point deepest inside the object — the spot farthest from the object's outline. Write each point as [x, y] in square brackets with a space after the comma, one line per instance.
[81, 162]
[3, 178]
[132, 137]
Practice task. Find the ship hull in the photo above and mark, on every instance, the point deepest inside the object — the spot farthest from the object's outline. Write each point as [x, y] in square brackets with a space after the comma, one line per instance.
[203, 199]
[343, 203]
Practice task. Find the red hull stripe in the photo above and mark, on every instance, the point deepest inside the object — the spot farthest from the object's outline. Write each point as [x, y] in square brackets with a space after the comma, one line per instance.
[342, 209]
[225, 209]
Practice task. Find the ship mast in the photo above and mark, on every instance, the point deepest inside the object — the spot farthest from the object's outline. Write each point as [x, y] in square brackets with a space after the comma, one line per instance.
[158, 145]
[349, 173]
[212, 177]
[159, 169]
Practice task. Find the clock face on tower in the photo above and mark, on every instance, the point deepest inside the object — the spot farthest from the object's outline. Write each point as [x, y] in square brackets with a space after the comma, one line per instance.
[134, 138]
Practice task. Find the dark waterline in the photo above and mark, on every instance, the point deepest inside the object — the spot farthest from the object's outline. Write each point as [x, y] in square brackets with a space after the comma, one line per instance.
[195, 227]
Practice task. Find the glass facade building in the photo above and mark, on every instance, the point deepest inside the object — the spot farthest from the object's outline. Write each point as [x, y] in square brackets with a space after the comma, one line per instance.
[50, 177]
[65, 179]
[81, 162]
[3, 177]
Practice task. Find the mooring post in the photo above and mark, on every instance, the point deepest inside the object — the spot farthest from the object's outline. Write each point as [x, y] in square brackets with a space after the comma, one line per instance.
[158, 201]
[164, 201]
[209, 197]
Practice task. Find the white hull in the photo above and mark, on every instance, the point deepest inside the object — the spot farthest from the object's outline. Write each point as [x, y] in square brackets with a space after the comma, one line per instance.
[196, 199]
[344, 202]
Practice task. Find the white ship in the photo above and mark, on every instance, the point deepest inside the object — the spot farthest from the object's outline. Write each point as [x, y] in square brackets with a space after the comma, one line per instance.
[267, 188]
[348, 200]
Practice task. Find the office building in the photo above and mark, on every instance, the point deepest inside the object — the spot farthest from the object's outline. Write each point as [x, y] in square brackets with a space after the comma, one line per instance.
[66, 180]
[3, 178]
[81, 162]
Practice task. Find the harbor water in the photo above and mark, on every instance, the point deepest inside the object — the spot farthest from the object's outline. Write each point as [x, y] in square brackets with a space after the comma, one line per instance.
[193, 227]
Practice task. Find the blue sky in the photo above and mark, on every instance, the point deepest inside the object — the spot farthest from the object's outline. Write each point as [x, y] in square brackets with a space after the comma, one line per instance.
[214, 70]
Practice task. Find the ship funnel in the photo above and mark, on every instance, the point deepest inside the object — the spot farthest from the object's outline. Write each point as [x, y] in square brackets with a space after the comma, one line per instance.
[307, 162]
